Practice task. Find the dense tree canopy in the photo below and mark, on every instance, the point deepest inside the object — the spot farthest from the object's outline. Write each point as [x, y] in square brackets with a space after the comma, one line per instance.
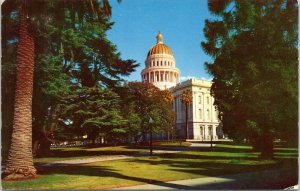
[254, 49]
[72, 52]
[144, 100]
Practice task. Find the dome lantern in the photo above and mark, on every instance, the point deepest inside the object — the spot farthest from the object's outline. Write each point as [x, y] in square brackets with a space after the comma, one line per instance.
[159, 38]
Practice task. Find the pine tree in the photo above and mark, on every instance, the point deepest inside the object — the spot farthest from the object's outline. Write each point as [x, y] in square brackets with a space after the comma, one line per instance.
[254, 49]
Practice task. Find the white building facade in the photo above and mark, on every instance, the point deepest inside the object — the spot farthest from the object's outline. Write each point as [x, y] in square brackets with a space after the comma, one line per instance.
[203, 122]
[160, 70]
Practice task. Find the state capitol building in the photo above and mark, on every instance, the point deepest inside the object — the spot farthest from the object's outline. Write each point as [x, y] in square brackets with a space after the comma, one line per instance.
[161, 71]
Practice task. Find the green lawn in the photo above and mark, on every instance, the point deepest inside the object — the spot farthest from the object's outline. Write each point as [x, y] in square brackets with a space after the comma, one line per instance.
[69, 153]
[221, 160]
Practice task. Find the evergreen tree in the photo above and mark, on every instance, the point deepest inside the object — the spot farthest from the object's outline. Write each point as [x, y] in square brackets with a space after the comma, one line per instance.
[254, 49]
[71, 50]
[93, 111]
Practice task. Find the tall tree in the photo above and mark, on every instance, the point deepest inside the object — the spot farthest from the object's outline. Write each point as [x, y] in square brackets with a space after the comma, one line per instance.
[57, 29]
[20, 161]
[187, 99]
[145, 100]
[168, 100]
[254, 49]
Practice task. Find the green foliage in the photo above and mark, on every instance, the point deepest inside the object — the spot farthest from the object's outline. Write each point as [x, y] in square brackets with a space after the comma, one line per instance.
[142, 101]
[254, 49]
[71, 52]
[93, 111]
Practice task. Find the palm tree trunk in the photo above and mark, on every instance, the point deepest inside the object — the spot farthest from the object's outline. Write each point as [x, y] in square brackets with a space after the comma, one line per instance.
[186, 122]
[20, 160]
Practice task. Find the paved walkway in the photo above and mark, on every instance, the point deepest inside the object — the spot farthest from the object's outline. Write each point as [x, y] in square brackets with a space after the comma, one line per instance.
[119, 157]
[270, 179]
[103, 158]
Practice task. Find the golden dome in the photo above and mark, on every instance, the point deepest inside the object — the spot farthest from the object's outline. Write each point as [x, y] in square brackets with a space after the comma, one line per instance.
[160, 48]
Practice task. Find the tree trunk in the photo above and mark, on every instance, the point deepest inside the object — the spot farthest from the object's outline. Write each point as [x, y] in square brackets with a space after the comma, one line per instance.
[20, 160]
[168, 135]
[267, 146]
[35, 148]
[186, 122]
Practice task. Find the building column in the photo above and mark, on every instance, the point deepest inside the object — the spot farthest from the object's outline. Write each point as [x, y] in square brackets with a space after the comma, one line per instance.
[159, 80]
[168, 73]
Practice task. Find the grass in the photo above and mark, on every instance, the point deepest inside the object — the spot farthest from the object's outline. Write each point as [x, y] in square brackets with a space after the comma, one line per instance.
[69, 153]
[221, 160]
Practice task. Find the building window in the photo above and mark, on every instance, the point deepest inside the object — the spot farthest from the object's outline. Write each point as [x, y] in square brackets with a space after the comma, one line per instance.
[207, 100]
[208, 114]
[161, 63]
[200, 114]
[157, 78]
[165, 63]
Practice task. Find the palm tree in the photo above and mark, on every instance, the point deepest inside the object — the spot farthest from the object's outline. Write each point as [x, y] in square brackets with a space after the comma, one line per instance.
[187, 99]
[19, 164]
[20, 161]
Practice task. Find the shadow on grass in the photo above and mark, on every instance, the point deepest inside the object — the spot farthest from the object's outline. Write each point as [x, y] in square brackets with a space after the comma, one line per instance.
[215, 161]
[79, 153]
[219, 153]
[212, 167]
[102, 171]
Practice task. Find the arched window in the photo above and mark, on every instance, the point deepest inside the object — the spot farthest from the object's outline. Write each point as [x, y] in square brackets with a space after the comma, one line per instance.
[161, 63]
[157, 63]
[165, 63]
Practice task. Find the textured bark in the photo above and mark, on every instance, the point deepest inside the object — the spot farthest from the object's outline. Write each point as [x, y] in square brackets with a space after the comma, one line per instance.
[186, 122]
[20, 160]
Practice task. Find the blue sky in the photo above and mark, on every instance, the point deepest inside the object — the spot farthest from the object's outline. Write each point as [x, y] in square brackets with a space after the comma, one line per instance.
[181, 23]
